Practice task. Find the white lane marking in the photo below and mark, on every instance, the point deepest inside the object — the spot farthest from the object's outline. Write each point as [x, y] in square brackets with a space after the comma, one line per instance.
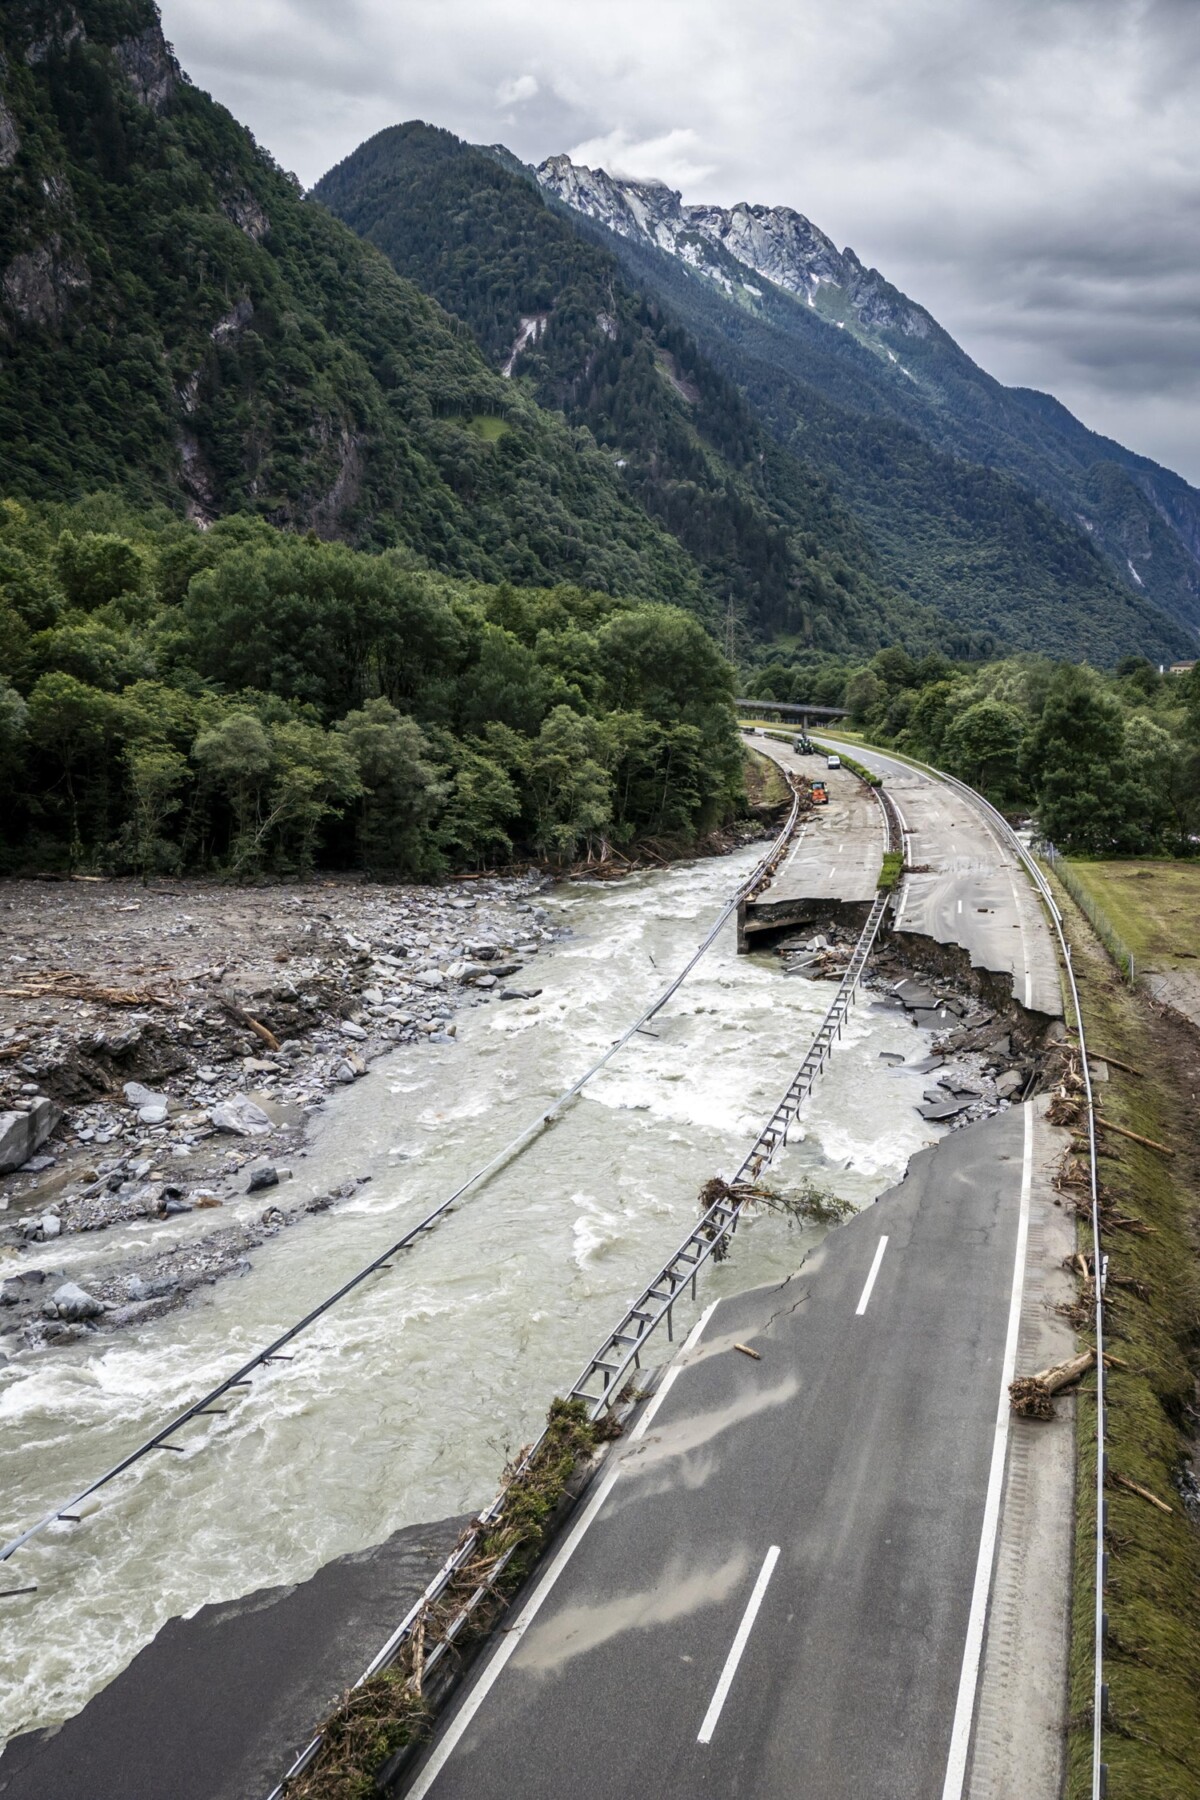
[960, 1736]
[669, 1379]
[720, 1694]
[960, 906]
[512, 1638]
[861, 1308]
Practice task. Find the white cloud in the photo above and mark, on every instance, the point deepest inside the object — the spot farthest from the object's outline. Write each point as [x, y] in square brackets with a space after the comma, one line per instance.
[512, 93]
[1027, 169]
[675, 157]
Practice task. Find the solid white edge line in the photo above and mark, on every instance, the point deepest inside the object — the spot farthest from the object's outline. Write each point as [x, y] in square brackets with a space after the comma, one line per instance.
[446, 1744]
[721, 1692]
[861, 1308]
[964, 1710]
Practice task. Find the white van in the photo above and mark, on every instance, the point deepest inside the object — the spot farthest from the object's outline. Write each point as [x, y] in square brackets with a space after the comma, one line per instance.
[833, 762]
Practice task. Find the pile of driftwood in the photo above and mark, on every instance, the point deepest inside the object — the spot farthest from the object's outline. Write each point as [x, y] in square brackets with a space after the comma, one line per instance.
[65, 984]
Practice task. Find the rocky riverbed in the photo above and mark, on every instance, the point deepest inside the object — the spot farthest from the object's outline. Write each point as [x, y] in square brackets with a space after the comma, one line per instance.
[162, 1048]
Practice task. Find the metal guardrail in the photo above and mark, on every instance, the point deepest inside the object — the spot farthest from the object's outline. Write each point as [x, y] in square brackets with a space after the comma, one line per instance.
[621, 1350]
[1000, 824]
[207, 1405]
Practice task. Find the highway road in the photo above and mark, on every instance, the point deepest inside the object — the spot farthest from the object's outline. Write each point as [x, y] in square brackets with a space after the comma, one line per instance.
[836, 858]
[971, 890]
[779, 1588]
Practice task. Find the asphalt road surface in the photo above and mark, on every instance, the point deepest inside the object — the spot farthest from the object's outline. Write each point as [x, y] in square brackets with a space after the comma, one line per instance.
[837, 854]
[972, 890]
[778, 1590]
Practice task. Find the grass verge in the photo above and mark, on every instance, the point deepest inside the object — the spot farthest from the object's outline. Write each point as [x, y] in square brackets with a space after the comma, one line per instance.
[1151, 1204]
[766, 784]
[372, 1722]
[1155, 906]
[890, 873]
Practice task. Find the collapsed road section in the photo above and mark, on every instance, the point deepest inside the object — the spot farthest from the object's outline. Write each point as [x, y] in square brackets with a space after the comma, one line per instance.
[830, 875]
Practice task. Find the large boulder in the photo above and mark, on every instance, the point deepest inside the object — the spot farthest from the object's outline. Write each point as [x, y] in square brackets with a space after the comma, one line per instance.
[22, 1134]
[73, 1303]
[241, 1115]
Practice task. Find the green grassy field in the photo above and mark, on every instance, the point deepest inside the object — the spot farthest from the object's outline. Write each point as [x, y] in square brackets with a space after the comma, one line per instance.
[1155, 906]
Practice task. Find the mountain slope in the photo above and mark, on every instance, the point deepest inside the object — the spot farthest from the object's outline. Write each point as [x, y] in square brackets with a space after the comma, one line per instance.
[863, 343]
[176, 321]
[695, 394]
[767, 533]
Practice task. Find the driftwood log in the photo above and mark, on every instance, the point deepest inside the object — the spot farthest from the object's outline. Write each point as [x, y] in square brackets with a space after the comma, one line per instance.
[1032, 1396]
[243, 1018]
[1134, 1137]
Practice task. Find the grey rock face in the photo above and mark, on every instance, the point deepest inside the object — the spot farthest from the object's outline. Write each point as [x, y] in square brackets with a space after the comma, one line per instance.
[149, 67]
[240, 1115]
[265, 1176]
[22, 1134]
[10, 141]
[727, 244]
[40, 284]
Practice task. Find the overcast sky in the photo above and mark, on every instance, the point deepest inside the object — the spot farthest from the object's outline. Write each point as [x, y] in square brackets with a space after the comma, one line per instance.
[1029, 170]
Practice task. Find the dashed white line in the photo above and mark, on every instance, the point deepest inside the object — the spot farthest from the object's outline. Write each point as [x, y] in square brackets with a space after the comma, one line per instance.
[705, 1733]
[861, 1308]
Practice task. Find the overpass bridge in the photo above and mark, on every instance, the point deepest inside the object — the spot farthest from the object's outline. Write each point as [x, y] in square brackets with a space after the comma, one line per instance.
[789, 712]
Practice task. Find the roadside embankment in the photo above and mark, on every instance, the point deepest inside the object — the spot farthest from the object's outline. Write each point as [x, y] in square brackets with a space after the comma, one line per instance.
[1150, 1215]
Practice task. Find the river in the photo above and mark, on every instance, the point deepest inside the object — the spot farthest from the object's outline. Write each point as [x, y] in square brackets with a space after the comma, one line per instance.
[403, 1404]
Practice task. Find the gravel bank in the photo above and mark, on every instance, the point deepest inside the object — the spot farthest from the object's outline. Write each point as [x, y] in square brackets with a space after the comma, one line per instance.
[162, 1048]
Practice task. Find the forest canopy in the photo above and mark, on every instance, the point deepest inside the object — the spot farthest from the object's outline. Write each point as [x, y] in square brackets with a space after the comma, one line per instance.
[256, 701]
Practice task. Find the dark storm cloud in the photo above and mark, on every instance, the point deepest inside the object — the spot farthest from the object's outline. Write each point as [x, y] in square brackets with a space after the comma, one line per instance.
[1027, 169]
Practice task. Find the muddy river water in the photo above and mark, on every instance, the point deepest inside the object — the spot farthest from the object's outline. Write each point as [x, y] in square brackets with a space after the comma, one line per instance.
[403, 1403]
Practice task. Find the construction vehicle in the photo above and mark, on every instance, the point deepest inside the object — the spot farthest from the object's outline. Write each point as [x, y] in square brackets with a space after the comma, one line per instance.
[803, 746]
[820, 794]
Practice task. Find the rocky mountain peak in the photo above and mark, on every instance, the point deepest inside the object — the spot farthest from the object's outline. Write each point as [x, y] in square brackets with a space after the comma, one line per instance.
[730, 245]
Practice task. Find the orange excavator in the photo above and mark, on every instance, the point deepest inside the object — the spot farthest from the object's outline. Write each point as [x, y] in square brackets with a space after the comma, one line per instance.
[820, 794]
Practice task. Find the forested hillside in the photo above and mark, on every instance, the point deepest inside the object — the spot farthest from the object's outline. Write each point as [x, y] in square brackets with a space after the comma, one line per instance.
[770, 446]
[865, 345]
[253, 700]
[555, 311]
[996, 561]
[176, 321]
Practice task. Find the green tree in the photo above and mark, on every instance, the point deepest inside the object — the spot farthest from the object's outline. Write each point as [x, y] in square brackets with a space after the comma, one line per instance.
[866, 697]
[156, 776]
[402, 789]
[97, 568]
[570, 788]
[74, 726]
[983, 745]
[1086, 800]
